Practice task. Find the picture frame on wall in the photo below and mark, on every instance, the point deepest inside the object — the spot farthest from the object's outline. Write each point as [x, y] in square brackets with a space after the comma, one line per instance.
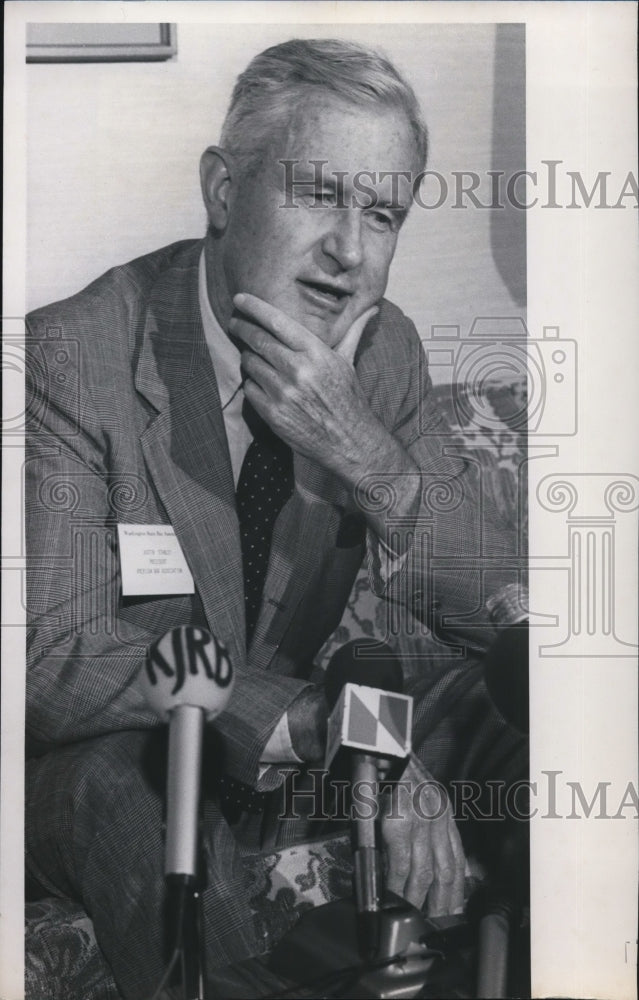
[90, 42]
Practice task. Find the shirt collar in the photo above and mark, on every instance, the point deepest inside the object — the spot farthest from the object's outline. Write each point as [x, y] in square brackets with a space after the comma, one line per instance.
[225, 356]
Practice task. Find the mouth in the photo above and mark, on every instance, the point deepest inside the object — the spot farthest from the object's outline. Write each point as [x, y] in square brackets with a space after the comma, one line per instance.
[325, 294]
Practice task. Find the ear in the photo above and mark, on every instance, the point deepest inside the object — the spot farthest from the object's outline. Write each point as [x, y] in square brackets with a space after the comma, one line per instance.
[216, 181]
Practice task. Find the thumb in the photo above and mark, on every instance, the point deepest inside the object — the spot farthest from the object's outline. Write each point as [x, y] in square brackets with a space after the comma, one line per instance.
[347, 347]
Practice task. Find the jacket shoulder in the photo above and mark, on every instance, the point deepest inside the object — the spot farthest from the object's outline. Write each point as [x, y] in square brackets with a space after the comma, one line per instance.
[389, 341]
[119, 287]
[392, 316]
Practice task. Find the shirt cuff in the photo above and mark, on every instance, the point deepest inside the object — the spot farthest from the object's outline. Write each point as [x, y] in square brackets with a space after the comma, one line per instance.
[384, 563]
[279, 749]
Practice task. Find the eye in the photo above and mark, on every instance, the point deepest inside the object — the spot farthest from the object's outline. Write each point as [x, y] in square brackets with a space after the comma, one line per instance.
[382, 221]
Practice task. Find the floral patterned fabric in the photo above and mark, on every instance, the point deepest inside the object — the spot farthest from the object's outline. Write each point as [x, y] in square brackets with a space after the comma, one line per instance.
[62, 957]
[489, 426]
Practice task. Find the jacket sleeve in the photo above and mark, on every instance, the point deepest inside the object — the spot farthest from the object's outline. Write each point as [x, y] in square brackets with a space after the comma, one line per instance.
[460, 549]
[85, 645]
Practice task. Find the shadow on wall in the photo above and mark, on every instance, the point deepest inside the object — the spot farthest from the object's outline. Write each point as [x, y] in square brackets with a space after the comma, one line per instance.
[508, 225]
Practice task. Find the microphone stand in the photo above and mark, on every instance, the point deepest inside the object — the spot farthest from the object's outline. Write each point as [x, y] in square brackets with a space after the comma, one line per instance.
[376, 939]
[182, 913]
[188, 678]
[184, 908]
[192, 947]
[366, 867]
[183, 844]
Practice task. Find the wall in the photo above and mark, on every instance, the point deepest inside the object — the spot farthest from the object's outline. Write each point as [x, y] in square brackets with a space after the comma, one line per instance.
[113, 153]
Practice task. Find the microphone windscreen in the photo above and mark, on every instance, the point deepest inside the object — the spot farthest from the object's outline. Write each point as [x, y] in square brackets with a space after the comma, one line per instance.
[187, 666]
[506, 674]
[369, 713]
[366, 662]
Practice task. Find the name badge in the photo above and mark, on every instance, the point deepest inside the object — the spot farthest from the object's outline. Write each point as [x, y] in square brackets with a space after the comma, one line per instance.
[152, 561]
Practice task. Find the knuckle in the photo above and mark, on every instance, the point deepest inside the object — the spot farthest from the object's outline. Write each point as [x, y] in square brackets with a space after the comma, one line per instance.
[259, 342]
[446, 876]
[400, 863]
[427, 875]
[288, 393]
[402, 870]
[304, 376]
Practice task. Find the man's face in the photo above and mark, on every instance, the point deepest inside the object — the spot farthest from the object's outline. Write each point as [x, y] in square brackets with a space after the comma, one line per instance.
[306, 247]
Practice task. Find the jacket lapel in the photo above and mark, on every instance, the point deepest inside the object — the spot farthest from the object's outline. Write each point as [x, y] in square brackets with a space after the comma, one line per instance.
[186, 450]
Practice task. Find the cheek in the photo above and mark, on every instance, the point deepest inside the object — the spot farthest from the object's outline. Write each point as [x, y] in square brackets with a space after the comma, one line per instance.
[376, 279]
[253, 227]
[379, 257]
[273, 248]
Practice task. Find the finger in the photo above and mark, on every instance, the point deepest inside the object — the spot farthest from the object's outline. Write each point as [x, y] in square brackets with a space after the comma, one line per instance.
[261, 342]
[445, 892]
[422, 870]
[399, 861]
[259, 400]
[289, 332]
[459, 884]
[260, 371]
[397, 841]
[274, 399]
[428, 806]
[254, 336]
[263, 347]
[457, 897]
[348, 346]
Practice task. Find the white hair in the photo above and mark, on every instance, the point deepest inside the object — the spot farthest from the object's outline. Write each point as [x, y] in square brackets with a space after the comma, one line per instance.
[272, 92]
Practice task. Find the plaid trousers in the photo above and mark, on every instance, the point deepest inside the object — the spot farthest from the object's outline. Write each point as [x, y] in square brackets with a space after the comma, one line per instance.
[94, 833]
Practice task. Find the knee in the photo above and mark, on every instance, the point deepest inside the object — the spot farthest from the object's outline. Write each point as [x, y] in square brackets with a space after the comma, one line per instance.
[101, 796]
[94, 772]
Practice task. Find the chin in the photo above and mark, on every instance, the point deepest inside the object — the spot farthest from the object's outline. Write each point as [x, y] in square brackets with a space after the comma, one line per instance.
[338, 331]
[328, 331]
[334, 335]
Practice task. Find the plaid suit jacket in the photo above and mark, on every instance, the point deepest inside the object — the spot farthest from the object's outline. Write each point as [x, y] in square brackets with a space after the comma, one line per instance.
[125, 425]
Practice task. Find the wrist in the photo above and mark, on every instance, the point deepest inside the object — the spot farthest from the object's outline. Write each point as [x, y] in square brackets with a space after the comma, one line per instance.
[307, 724]
[388, 485]
[372, 452]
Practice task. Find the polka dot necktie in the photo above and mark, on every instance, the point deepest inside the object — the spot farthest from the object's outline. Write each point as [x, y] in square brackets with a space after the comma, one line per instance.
[264, 486]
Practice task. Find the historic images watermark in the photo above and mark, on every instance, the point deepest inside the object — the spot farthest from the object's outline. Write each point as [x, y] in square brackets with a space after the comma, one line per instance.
[540, 372]
[317, 795]
[552, 186]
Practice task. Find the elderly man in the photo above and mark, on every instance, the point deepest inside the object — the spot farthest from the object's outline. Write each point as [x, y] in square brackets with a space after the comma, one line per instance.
[263, 358]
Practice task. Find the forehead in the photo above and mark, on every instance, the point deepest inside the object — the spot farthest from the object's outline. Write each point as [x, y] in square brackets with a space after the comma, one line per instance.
[350, 138]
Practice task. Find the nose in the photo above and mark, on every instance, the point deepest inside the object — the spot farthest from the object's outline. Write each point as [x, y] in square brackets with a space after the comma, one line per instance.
[343, 239]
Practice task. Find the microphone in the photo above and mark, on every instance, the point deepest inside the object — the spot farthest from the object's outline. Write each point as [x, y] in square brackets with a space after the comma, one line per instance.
[187, 678]
[373, 719]
[493, 916]
[367, 662]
